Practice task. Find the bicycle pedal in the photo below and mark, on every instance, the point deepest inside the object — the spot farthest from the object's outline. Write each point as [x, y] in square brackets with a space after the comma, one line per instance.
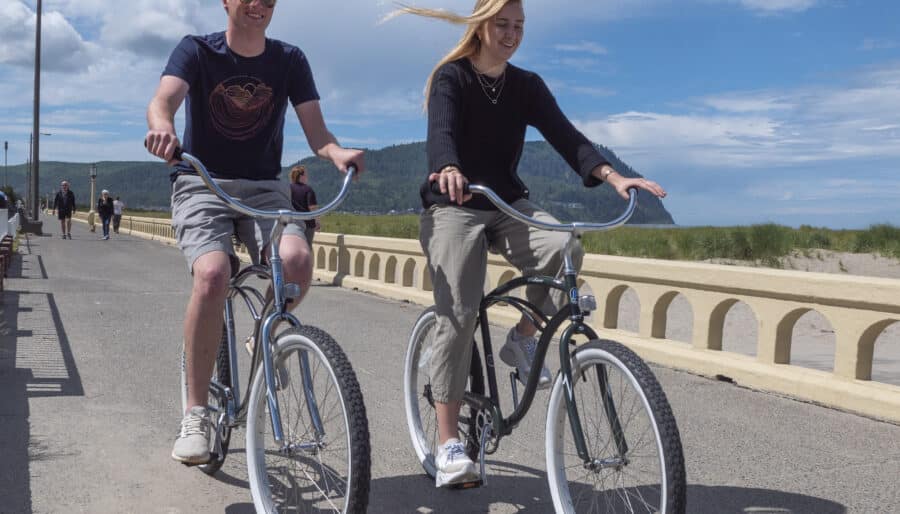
[467, 485]
[513, 379]
[213, 456]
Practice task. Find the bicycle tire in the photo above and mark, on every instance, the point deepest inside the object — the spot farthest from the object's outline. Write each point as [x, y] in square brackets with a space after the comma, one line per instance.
[417, 397]
[334, 379]
[644, 408]
[221, 373]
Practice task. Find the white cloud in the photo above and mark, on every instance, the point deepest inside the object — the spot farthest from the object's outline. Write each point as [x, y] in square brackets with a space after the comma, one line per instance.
[776, 6]
[62, 48]
[588, 47]
[870, 44]
[858, 120]
[750, 102]
[827, 190]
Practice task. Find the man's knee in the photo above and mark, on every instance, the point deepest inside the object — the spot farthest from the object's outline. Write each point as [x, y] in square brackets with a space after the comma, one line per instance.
[296, 259]
[211, 275]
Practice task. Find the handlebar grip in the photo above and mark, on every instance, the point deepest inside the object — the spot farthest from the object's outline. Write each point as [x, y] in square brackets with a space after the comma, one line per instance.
[177, 153]
[435, 188]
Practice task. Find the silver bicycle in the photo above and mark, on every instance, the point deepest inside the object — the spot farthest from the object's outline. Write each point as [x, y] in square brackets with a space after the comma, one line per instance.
[611, 441]
[307, 436]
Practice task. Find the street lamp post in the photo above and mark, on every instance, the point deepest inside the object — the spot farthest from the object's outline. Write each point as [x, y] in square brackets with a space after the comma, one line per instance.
[5, 164]
[31, 191]
[92, 214]
[35, 161]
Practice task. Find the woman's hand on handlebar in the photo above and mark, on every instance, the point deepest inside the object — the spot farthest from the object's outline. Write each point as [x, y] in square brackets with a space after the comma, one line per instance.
[623, 184]
[452, 182]
[162, 144]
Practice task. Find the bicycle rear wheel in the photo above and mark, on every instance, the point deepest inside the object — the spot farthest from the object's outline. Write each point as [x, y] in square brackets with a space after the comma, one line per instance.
[419, 403]
[323, 463]
[631, 435]
[220, 434]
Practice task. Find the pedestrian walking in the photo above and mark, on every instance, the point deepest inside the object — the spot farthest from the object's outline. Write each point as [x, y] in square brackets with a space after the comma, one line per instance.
[64, 208]
[118, 207]
[105, 210]
[303, 199]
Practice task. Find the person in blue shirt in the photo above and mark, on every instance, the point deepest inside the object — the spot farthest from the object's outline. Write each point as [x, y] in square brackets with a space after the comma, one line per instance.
[237, 85]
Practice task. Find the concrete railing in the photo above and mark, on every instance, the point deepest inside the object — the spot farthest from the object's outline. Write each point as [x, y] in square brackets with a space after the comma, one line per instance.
[158, 229]
[859, 309]
[11, 225]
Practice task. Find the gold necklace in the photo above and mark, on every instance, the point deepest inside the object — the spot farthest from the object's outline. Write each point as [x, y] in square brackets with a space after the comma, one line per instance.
[492, 88]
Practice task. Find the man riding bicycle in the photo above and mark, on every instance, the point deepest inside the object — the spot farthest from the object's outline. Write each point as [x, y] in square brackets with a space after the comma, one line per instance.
[237, 84]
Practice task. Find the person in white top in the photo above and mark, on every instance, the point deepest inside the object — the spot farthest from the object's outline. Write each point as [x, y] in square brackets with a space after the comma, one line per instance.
[118, 207]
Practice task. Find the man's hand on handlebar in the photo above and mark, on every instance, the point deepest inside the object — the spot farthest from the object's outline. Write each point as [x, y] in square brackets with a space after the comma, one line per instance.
[452, 182]
[345, 157]
[162, 144]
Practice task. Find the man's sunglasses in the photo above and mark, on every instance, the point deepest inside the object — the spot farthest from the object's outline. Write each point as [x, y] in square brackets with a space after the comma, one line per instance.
[268, 3]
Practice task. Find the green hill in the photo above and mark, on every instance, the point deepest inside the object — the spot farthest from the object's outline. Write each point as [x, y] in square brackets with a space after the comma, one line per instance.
[390, 185]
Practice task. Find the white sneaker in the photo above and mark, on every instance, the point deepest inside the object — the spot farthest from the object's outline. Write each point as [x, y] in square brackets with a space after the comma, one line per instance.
[192, 445]
[453, 465]
[519, 351]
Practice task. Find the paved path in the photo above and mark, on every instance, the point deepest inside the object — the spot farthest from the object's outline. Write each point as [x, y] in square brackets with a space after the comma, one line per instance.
[89, 347]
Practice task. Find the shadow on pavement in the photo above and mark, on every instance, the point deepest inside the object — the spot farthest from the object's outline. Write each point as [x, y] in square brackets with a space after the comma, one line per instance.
[528, 492]
[43, 368]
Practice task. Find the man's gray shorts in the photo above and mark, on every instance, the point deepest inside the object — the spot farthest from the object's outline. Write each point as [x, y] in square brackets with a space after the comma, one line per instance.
[203, 223]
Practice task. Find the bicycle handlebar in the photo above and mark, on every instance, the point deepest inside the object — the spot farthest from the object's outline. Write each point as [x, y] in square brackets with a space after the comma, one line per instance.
[576, 227]
[284, 215]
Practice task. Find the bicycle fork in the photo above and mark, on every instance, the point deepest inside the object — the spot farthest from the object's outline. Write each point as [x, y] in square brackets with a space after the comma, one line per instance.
[592, 463]
[283, 292]
[577, 317]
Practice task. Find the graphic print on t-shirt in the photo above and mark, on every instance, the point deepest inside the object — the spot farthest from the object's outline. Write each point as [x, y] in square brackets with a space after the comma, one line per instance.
[240, 107]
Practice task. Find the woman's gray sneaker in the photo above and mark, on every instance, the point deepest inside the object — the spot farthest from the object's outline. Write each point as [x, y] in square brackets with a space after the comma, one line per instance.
[519, 351]
[192, 445]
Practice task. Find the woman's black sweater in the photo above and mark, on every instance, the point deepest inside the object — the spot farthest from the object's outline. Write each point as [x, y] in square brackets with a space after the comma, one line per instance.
[485, 140]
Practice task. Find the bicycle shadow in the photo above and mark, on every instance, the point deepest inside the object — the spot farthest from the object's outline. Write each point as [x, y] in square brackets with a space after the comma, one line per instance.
[515, 488]
[237, 463]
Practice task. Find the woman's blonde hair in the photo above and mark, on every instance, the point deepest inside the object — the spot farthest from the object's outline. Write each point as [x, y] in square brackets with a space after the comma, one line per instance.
[295, 173]
[469, 44]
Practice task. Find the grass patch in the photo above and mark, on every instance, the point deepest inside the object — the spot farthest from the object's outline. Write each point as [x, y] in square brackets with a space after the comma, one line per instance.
[766, 243]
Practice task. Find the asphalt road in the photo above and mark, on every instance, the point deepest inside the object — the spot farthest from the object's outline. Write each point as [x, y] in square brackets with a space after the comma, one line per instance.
[90, 339]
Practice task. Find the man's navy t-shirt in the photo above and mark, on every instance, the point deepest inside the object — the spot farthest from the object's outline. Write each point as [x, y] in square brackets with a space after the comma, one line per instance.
[236, 105]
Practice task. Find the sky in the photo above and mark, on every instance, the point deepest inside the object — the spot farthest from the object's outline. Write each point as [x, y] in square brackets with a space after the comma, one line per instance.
[746, 111]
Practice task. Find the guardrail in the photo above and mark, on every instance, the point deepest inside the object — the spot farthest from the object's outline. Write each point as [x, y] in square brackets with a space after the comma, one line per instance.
[859, 309]
[12, 225]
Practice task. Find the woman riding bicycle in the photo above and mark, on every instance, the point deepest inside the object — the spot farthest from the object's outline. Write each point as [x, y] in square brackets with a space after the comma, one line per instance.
[479, 107]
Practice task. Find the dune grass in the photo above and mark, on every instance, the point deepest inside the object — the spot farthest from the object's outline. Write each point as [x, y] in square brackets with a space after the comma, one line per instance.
[765, 243]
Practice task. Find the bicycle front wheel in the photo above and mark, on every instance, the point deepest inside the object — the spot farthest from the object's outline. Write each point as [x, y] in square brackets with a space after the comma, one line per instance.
[323, 463]
[635, 457]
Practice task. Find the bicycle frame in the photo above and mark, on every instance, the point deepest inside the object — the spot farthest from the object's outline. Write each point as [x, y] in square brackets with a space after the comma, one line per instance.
[281, 292]
[548, 327]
